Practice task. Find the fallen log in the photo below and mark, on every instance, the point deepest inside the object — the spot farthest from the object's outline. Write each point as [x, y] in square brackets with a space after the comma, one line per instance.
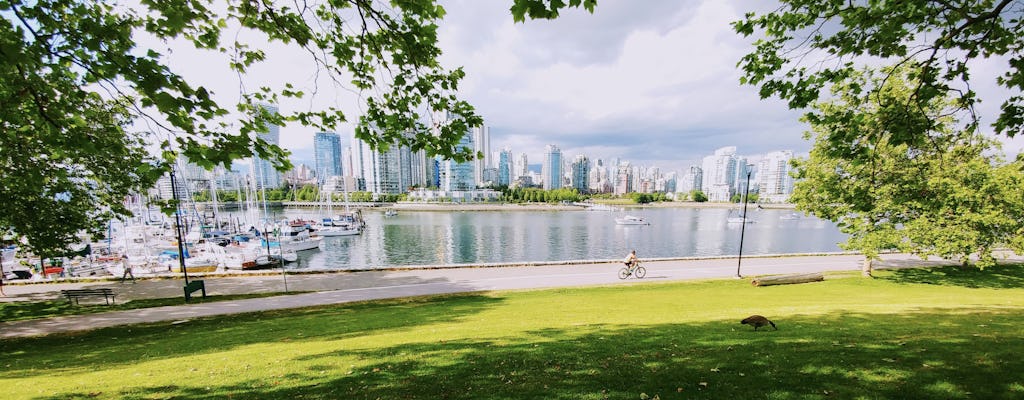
[788, 279]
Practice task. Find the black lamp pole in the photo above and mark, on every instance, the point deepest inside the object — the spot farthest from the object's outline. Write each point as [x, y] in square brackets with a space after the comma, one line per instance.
[743, 227]
[177, 228]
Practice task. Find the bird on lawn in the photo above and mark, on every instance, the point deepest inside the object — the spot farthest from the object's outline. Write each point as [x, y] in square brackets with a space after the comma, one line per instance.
[758, 321]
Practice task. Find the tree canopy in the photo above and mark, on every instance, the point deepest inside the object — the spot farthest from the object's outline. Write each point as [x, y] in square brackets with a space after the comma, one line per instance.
[947, 193]
[806, 46]
[75, 76]
[898, 160]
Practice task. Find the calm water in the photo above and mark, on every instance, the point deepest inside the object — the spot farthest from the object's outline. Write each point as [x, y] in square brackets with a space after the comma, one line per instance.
[459, 237]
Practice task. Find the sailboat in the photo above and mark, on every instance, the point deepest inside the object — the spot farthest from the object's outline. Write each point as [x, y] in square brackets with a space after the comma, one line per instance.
[346, 224]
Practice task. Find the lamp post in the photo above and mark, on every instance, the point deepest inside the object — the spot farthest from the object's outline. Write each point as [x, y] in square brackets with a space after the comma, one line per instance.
[284, 274]
[177, 231]
[743, 227]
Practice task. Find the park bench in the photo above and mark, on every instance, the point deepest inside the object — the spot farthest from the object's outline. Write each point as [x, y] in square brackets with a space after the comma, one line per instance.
[75, 294]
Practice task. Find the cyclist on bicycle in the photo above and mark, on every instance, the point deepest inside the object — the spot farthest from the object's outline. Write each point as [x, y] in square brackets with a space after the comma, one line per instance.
[631, 260]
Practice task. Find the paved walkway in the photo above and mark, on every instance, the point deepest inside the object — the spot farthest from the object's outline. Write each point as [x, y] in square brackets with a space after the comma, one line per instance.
[344, 287]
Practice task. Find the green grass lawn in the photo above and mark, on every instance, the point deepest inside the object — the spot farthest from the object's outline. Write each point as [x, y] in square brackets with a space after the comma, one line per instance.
[939, 334]
[23, 310]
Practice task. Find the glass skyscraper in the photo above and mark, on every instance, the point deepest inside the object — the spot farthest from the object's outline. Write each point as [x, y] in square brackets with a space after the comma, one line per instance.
[459, 175]
[327, 154]
[505, 167]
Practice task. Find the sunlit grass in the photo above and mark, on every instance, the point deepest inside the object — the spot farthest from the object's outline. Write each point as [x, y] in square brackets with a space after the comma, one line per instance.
[893, 337]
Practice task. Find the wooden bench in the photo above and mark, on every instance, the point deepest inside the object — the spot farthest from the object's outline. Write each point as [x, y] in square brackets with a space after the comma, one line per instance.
[75, 294]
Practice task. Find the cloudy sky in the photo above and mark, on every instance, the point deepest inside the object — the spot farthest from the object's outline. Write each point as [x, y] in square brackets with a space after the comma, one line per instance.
[652, 82]
[655, 84]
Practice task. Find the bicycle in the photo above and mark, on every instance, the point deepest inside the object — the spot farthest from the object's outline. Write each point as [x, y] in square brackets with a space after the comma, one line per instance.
[637, 270]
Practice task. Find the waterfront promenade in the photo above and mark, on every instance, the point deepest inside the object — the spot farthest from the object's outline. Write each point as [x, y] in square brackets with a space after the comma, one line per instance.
[345, 287]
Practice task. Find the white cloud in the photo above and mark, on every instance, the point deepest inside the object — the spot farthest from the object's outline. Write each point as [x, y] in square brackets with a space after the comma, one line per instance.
[660, 80]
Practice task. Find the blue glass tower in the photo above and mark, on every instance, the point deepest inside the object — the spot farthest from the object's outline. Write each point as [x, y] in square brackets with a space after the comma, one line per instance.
[327, 152]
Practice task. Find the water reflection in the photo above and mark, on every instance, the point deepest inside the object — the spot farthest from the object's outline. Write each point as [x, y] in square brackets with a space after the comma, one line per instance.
[458, 237]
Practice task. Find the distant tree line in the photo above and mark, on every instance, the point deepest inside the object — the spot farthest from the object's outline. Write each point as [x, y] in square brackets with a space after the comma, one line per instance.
[534, 195]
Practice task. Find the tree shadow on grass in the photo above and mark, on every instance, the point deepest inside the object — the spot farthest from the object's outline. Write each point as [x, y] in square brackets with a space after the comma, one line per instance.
[922, 355]
[1003, 276]
[128, 344]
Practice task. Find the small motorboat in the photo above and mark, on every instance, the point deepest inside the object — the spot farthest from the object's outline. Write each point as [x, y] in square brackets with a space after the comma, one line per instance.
[631, 220]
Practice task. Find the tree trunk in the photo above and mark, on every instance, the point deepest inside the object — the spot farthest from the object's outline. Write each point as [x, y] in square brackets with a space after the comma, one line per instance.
[866, 269]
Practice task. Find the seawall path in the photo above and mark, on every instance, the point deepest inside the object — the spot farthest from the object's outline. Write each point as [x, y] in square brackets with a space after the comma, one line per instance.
[344, 287]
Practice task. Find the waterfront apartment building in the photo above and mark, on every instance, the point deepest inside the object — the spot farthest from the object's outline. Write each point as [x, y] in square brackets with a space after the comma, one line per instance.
[580, 174]
[327, 155]
[773, 177]
[264, 174]
[551, 170]
[719, 174]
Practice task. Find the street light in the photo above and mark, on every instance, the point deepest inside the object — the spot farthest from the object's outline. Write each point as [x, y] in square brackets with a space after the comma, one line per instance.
[178, 235]
[743, 227]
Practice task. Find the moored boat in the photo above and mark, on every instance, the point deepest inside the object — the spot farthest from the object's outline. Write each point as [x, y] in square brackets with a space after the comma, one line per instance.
[631, 220]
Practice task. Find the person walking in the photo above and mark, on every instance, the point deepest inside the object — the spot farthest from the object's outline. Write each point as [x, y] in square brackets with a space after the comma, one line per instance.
[127, 269]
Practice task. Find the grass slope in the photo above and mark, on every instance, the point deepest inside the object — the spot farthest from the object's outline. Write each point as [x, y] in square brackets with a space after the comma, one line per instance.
[912, 334]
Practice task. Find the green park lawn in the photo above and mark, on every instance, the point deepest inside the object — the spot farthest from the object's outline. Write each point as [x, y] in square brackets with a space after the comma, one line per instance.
[942, 333]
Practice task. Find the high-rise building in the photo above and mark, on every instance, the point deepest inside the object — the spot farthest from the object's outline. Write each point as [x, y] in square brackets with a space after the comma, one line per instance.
[327, 155]
[482, 146]
[719, 174]
[382, 172]
[599, 178]
[458, 175]
[624, 179]
[690, 181]
[521, 167]
[773, 179]
[742, 169]
[265, 176]
[420, 169]
[551, 171]
[580, 174]
[505, 167]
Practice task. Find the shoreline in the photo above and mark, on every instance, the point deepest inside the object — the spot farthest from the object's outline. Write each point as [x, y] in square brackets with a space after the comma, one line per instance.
[418, 206]
[231, 273]
[410, 206]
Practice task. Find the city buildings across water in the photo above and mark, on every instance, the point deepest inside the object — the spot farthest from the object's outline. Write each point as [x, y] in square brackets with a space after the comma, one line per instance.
[350, 164]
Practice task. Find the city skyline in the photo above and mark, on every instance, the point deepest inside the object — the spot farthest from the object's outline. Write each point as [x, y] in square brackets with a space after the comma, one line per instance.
[720, 175]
